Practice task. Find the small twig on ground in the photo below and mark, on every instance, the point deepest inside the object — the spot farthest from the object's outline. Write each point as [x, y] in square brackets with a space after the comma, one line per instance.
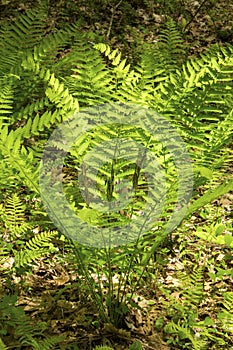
[195, 14]
[111, 19]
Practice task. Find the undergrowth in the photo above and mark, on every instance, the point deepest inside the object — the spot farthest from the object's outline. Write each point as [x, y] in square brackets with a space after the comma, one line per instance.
[46, 78]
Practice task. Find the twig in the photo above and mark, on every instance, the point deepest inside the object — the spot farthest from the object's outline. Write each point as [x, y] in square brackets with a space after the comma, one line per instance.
[111, 19]
[195, 14]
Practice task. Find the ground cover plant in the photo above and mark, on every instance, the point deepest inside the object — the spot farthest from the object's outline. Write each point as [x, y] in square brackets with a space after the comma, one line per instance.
[48, 76]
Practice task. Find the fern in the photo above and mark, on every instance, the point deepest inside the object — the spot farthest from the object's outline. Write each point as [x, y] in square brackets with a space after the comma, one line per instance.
[35, 248]
[158, 61]
[135, 346]
[15, 322]
[119, 66]
[185, 313]
[185, 334]
[210, 195]
[193, 294]
[13, 216]
[202, 90]
[120, 83]
[6, 98]
[19, 158]
[2, 345]
[225, 316]
[24, 34]
[43, 84]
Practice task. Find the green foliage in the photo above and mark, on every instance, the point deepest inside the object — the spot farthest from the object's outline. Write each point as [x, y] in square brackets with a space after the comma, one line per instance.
[2, 345]
[40, 245]
[193, 303]
[93, 82]
[103, 348]
[225, 316]
[46, 77]
[211, 195]
[13, 216]
[185, 315]
[214, 233]
[135, 346]
[167, 55]
[16, 326]
[15, 232]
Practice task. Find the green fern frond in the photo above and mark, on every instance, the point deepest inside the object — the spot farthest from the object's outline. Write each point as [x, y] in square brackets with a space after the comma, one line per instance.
[192, 285]
[38, 246]
[159, 60]
[22, 160]
[225, 315]
[23, 330]
[50, 50]
[14, 210]
[56, 91]
[90, 83]
[2, 345]
[23, 34]
[13, 216]
[199, 102]
[120, 67]
[185, 333]
[6, 98]
[124, 80]
[48, 343]
[210, 195]
[107, 187]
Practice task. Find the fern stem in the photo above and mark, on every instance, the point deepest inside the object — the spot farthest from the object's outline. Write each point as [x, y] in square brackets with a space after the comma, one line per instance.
[90, 283]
